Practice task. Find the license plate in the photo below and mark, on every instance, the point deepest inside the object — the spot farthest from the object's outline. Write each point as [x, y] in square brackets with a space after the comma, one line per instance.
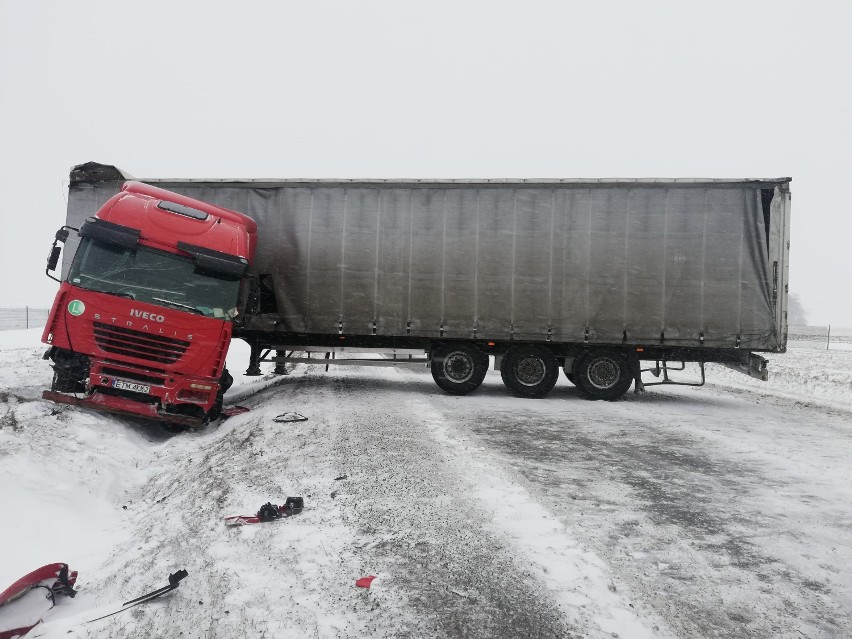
[131, 386]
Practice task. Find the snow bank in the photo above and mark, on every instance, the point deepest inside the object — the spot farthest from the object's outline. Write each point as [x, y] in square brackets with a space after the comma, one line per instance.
[65, 471]
[804, 374]
[62, 472]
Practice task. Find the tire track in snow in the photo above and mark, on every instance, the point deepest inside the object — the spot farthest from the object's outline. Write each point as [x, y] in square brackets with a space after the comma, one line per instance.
[421, 531]
[725, 515]
[524, 568]
[579, 579]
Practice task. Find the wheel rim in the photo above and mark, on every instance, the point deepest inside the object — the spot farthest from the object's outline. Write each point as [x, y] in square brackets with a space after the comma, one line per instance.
[604, 373]
[458, 367]
[530, 371]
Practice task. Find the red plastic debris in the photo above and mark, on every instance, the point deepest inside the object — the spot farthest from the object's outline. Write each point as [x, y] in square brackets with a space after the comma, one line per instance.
[55, 577]
[231, 411]
[364, 582]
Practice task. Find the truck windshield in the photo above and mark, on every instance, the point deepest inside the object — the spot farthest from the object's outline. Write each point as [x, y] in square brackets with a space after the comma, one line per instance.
[153, 276]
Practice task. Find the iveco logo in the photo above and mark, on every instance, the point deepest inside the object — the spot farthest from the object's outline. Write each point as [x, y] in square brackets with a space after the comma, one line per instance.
[147, 316]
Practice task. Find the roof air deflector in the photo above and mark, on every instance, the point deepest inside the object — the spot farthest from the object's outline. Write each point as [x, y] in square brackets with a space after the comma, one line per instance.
[180, 209]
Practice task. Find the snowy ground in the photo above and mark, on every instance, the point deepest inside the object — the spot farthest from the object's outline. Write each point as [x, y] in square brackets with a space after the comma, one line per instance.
[721, 511]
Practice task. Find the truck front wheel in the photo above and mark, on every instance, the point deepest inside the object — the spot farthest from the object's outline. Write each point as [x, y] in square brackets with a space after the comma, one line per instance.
[458, 368]
[529, 371]
[603, 374]
[224, 384]
[70, 371]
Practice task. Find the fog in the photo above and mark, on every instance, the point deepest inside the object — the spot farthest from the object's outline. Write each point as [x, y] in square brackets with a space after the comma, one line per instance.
[429, 90]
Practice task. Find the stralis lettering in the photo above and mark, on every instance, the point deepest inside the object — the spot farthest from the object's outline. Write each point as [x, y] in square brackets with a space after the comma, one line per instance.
[158, 329]
[146, 315]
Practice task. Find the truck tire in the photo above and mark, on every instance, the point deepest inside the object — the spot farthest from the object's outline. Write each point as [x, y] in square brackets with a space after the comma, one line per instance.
[70, 371]
[458, 368]
[225, 383]
[529, 371]
[603, 374]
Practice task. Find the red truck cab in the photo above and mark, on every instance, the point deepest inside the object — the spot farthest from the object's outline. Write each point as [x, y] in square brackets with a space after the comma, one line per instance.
[142, 322]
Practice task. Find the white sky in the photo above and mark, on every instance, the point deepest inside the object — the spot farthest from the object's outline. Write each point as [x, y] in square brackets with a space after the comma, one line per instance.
[430, 89]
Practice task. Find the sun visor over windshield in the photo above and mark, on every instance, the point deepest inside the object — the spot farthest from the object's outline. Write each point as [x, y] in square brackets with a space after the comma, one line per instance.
[109, 233]
[215, 261]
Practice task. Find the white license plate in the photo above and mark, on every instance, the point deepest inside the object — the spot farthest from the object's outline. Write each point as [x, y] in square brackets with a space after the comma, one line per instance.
[131, 386]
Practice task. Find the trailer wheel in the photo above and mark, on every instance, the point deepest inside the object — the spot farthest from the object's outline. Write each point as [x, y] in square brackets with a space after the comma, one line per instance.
[603, 374]
[458, 368]
[529, 371]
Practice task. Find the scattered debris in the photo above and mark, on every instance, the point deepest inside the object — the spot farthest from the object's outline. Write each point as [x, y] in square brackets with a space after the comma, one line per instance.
[22, 605]
[290, 417]
[268, 512]
[364, 582]
[231, 411]
[174, 581]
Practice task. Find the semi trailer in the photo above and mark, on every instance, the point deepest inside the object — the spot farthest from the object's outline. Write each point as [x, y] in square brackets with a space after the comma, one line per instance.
[597, 278]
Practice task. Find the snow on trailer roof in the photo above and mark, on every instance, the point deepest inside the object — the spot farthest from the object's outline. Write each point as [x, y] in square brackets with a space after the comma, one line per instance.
[93, 172]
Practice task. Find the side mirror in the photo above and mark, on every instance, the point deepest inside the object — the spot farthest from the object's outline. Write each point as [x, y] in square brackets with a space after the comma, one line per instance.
[53, 258]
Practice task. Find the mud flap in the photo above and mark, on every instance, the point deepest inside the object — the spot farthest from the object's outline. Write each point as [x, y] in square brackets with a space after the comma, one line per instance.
[754, 366]
[636, 372]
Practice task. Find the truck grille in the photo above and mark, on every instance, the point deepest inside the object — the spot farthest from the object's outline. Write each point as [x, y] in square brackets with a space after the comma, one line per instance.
[138, 344]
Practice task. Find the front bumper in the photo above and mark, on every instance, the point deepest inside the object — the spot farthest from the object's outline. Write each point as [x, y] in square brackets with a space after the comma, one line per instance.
[168, 388]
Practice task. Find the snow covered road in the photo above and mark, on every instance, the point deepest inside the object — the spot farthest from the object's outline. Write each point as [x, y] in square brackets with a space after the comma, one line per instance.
[721, 511]
[727, 514]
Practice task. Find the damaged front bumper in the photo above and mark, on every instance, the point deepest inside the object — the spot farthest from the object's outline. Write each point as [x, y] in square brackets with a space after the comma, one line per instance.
[122, 406]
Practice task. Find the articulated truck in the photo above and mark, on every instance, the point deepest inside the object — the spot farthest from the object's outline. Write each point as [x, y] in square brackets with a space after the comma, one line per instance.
[597, 278]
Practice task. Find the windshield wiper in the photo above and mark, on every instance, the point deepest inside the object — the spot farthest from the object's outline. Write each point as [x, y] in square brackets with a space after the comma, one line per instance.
[179, 305]
[129, 296]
